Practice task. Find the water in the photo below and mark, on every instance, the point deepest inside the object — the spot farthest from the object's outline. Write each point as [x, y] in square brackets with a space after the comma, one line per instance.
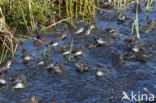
[73, 87]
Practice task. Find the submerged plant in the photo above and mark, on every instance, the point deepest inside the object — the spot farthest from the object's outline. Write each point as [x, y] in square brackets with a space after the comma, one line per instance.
[148, 6]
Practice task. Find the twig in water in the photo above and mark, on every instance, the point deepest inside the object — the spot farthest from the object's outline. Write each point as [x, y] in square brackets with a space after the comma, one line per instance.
[146, 90]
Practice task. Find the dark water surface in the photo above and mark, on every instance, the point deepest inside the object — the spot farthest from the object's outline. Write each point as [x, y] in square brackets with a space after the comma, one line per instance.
[73, 87]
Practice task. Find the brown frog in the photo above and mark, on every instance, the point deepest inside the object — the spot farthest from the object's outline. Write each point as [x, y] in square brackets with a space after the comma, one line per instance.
[100, 73]
[102, 41]
[111, 31]
[81, 68]
[33, 99]
[148, 28]
[5, 66]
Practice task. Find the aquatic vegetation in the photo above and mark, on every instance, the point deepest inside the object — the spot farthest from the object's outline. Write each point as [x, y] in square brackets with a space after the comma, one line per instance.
[137, 22]
[27, 13]
[8, 43]
[119, 4]
[33, 14]
[30, 15]
[148, 6]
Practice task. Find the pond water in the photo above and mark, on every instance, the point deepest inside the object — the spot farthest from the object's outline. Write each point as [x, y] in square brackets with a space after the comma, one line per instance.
[73, 87]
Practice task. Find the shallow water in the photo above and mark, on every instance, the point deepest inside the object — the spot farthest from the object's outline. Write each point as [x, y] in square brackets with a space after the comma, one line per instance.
[73, 87]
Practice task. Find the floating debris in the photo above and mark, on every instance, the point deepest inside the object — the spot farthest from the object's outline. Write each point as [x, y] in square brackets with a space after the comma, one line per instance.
[150, 93]
[5, 66]
[101, 73]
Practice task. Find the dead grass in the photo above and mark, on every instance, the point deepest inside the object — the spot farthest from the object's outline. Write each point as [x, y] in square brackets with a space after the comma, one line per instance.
[8, 43]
